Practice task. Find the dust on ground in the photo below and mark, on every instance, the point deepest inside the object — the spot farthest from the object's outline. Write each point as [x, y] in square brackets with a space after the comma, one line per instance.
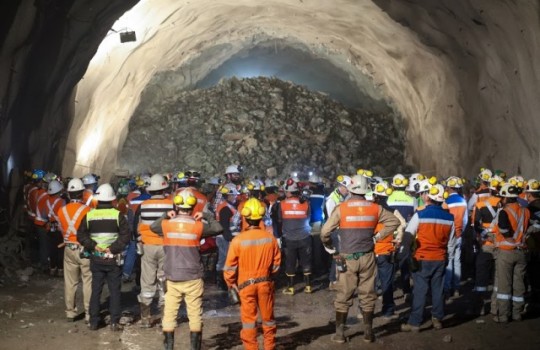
[32, 317]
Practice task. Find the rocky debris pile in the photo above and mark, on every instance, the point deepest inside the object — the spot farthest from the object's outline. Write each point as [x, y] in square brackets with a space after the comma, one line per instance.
[260, 123]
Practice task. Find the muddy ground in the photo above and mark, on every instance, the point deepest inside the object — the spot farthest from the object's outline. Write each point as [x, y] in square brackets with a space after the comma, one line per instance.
[32, 317]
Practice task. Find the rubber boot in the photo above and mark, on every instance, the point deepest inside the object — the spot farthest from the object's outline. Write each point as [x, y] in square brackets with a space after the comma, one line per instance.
[168, 341]
[145, 316]
[339, 337]
[220, 281]
[290, 286]
[369, 337]
[308, 288]
[196, 338]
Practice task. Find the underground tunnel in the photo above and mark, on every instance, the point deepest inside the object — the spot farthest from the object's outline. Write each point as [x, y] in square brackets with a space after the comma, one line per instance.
[439, 87]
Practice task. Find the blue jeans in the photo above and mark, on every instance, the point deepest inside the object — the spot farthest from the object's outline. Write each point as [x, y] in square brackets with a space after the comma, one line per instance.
[385, 274]
[430, 274]
[129, 259]
[223, 248]
[453, 269]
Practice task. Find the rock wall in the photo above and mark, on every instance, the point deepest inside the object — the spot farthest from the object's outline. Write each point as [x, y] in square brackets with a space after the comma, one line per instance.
[259, 123]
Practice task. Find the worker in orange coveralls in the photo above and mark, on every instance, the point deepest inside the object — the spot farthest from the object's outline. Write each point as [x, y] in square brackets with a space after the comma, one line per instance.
[253, 258]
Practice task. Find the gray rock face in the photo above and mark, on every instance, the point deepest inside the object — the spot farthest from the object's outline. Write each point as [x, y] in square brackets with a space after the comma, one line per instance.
[260, 123]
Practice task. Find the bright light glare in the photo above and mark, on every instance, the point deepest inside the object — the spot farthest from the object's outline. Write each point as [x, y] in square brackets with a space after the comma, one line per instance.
[89, 147]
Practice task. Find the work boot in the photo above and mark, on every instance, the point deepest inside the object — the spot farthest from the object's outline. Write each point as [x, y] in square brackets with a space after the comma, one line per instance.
[339, 337]
[307, 280]
[168, 341]
[290, 286]
[369, 337]
[146, 321]
[196, 338]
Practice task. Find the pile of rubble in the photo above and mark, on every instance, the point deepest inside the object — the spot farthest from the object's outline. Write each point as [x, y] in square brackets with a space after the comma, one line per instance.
[260, 123]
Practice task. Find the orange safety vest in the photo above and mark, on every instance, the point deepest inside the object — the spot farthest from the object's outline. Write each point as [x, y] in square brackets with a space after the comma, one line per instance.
[151, 210]
[69, 218]
[182, 232]
[41, 209]
[88, 199]
[519, 220]
[53, 205]
[384, 246]
[490, 204]
[358, 221]
[291, 208]
[222, 205]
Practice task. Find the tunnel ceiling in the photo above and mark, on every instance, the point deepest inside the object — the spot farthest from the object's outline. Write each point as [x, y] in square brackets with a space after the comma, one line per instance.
[463, 74]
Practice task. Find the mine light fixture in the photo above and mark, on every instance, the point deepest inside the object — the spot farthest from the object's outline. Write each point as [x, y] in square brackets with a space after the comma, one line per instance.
[126, 35]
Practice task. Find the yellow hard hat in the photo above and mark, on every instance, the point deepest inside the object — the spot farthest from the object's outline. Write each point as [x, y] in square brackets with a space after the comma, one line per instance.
[253, 209]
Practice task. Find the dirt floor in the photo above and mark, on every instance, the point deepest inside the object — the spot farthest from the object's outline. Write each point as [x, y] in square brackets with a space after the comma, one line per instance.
[32, 317]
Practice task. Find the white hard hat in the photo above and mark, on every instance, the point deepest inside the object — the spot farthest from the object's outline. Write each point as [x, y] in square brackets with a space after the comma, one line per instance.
[105, 193]
[55, 187]
[89, 179]
[423, 186]
[382, 189]
[157, 183]
[294, 176]
[509, 191]
[454, 182]
[517, 181]
[416, 177]
[485, 175]
[75, 185]
[399, 181]
[411, 187]
[533, 185]
[315, 179]
[231, 169]
[185, 199]
[230, 189]
[255, 185]
[146, 179]
[495, 182]
[437, 193]
[293, 187]
[359, 184]
[344, 180]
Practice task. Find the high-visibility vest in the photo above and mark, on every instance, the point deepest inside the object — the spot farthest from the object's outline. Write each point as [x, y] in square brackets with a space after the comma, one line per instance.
[358, 220]
[69, 218]
[88, 199]
[151, 210]
[103, 225]
[41, 209]
[384, 246]
[519, 220]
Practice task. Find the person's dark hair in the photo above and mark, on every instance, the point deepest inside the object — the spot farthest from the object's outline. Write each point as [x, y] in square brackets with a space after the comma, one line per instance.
[75, 194]
[253, 222]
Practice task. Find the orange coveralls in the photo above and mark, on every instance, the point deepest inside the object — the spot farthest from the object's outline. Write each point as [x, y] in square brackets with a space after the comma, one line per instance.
[253, 257]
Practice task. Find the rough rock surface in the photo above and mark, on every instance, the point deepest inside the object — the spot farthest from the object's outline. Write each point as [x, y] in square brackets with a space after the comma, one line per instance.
[260, 123]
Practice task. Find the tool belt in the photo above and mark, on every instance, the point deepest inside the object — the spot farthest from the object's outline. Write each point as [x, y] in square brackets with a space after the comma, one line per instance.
[355, 256]
[251, 281]
[73, 246]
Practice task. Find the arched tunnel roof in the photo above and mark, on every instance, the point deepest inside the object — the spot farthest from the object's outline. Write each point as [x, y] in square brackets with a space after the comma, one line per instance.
[463, 74]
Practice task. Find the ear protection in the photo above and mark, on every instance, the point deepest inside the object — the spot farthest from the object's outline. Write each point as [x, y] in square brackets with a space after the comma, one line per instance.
[179, 200]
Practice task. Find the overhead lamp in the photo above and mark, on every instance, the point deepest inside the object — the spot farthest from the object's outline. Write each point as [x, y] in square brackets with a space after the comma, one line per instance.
[126, 35]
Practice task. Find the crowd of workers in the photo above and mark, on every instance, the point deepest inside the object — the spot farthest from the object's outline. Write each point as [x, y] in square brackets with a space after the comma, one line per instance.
[179, 229]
